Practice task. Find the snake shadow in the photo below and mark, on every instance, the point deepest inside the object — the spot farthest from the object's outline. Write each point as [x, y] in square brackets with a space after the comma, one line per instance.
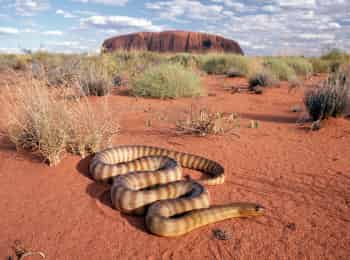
[100, 192]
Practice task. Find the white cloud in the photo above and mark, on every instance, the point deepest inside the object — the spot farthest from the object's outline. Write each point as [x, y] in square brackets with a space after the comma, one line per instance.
[310, 36]
[53, 33]
[65, 14]
[191, 9]
[334, 25]
[296, 3]
[30, 7]
[119, 22]
[245, 43]
[10, 50]
[236, 6]
[64, 43]
[28, 30]
[271, 8]
[8, 30]
[104, 2]
[85, 13]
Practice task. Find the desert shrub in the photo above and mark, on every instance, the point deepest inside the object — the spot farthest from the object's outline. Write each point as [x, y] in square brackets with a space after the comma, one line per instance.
[38, 121]
[264, 78]
[48, 60]
[65, 74]
[331, 98]
[14, 61]
[21, 62]
[58, 70]
[279, 68]
[319, 65]
[167, 81]
[202, 122]
[223, 63]
[336, 58]
[47, 124]
[90, 128]
[6, 62]
[94, 77]
[301, 66]
[185, 59]
[335, 54]
[130, 64]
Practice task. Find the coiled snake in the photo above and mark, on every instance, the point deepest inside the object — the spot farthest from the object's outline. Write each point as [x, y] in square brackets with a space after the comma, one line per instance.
[150, 176]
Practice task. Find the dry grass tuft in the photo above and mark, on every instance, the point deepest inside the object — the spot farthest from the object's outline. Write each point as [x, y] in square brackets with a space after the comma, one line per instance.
[203, 122]
[94, 78]
[91, 128]
[36, 121]
[41, 120]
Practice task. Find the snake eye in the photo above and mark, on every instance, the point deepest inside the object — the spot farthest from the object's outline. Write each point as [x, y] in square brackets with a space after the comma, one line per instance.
[259, 208]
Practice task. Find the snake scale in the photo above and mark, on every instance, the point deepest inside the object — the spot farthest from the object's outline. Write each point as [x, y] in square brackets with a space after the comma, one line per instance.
[149, 180]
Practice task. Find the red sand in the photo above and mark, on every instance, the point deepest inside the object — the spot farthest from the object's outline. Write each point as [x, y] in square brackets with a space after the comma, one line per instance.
[302, 178]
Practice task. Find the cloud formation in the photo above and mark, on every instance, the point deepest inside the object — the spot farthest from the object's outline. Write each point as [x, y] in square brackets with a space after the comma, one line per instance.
[119, 23]
[104, 2]
[53, 33]
[30, 7]
[185, 8]
[8, 31]
[65, 14]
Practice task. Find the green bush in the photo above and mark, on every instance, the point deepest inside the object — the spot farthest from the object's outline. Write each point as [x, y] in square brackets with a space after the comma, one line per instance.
[185, 59]
[335, 54]
[223, 63]
[130, 64]
[301, 66]
[336, 58]
[319, 65]
[264, 78]
[280, 69]
[167, 81]
[331, 99]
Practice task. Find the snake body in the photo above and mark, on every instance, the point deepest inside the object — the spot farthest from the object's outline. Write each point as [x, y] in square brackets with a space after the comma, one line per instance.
[149, 180]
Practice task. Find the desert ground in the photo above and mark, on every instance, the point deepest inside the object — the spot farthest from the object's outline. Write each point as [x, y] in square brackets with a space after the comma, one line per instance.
[301, 177]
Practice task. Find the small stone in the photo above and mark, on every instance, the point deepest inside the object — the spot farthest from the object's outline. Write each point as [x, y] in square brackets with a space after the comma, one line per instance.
[296, 109]
[258, 90]
[231, 73]
[316, 125]
[291, 226]
[221, 234]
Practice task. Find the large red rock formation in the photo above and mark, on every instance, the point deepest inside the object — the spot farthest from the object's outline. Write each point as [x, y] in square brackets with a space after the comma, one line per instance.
[172, 41]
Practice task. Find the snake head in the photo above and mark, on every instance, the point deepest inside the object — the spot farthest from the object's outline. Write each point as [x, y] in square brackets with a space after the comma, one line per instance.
[250, 209]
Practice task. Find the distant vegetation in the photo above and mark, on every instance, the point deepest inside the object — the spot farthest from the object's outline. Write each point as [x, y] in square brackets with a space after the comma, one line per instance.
[225, 63]
[280, 68]
[167, 81]
[50, 113]
[131, 64]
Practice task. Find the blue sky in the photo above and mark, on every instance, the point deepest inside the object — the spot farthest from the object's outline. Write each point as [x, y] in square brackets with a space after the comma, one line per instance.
[262, 27]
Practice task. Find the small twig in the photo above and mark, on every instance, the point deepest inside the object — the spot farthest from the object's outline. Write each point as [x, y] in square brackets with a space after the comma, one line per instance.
[29, 253]
[21, 252]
